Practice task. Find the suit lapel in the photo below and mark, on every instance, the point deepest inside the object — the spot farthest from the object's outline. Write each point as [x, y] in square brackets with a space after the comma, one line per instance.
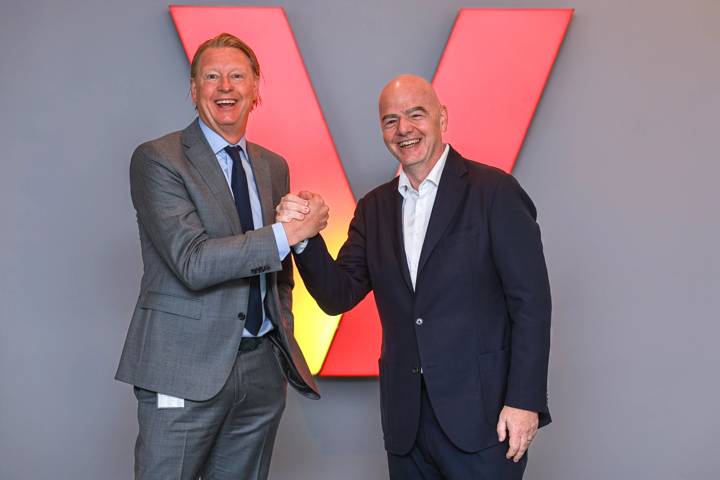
[261, 171]
[202, 157]
[399, 242]
[450, 192]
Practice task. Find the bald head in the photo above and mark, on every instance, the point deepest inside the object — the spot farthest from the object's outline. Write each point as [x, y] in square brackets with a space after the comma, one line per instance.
[407, 84]
[412, 122]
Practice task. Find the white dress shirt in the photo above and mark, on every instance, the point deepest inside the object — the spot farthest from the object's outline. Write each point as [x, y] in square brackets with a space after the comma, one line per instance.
[416, 209]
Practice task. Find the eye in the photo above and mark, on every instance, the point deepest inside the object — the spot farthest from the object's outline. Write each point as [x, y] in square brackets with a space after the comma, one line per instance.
[237, 76]
[390, 123]
[211, 76]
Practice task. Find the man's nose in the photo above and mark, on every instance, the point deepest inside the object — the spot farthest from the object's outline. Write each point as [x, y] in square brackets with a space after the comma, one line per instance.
[404, 126]
[225, 84]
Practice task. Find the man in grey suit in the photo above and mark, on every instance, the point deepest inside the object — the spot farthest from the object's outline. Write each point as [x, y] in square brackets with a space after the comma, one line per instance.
[210, 347]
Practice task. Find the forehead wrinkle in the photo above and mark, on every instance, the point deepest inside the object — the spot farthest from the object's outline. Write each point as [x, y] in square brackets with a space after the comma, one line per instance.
[415, 109]
[423, 100]
[223, 57]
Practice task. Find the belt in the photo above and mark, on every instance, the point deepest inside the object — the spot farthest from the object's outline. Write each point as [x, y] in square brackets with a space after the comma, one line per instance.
[248, 344]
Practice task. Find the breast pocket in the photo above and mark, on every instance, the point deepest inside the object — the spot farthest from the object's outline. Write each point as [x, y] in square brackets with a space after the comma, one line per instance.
[468, 237]
[460, 252]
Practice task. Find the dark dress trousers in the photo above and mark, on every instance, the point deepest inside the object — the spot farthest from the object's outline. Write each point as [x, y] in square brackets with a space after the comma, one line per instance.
[477, 326]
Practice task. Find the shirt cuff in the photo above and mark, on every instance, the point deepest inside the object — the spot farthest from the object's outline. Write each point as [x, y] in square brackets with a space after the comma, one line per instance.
[281, 240]
[299, 247]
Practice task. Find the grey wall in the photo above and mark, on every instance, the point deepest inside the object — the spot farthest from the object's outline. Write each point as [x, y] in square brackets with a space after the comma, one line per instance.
[621, 160]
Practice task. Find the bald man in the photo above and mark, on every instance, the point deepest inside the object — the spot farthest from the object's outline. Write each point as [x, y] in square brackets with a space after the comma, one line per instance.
[453, 254]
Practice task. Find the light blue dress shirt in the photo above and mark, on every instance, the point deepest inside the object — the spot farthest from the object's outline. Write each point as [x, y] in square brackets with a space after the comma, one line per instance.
[217, 145]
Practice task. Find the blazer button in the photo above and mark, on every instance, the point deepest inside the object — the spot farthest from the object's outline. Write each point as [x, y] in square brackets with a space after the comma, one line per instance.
[419, 322]
[241, 316]
[415, 371]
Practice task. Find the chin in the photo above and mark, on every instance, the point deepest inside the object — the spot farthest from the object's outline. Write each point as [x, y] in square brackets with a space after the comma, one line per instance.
[412, 160]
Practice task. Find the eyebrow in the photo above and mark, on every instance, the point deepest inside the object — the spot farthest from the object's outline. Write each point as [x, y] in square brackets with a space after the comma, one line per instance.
[409, 111]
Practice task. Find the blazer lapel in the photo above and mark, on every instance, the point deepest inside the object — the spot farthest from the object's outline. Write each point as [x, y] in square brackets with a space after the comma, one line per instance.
[261, 171]
[201, 156]
[450, 192]
[399, 241]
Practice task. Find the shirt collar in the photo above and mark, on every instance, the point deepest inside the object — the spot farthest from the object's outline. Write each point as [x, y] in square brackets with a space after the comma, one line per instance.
[433, 177]
[218, 143]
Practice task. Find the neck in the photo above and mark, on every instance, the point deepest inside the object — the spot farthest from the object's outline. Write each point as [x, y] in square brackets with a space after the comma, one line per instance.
[232, 137]
[231, 133]
[415, 176]
[418, 172]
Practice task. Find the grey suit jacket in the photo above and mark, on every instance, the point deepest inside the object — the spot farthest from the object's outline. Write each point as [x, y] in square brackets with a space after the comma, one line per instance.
[189, 318]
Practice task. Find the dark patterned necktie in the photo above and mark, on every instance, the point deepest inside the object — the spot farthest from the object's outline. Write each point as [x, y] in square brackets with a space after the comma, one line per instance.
[242, 204]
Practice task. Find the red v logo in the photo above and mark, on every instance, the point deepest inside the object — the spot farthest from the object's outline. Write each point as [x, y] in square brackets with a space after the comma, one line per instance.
[491, 77]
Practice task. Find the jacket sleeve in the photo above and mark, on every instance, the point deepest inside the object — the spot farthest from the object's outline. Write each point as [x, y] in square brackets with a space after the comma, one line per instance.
[518, 255]
[337, 285]
[285, 280]
[167, 213]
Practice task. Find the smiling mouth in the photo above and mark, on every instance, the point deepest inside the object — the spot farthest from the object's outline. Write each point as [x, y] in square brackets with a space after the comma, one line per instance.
[409, 143]
[225, 103]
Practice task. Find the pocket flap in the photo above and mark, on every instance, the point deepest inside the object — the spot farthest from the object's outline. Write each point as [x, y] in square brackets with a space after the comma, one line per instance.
[494, 361]
[185, 307]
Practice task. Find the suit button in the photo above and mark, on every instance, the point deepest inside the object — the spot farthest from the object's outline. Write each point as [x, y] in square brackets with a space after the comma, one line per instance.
[241, 316]
[415, 371]
[419, 322]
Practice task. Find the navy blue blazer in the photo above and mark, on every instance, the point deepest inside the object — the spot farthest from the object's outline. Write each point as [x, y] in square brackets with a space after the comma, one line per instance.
[478, 322]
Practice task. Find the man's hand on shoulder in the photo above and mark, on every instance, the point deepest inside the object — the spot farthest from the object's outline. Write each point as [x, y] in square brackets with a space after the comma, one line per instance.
[521, 425]
[303, 215]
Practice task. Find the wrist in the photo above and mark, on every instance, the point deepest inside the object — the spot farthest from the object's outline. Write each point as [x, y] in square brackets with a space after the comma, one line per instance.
[291, 233]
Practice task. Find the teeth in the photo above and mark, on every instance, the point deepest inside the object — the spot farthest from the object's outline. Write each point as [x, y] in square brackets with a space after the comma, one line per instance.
[225, 102]
[408, 143]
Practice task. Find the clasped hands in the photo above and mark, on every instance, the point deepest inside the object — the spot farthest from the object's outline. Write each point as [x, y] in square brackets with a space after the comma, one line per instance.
[302, 215]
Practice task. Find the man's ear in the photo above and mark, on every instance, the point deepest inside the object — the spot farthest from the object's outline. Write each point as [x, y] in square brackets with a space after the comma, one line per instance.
[256, 94]
[443, 118]
[193, 90]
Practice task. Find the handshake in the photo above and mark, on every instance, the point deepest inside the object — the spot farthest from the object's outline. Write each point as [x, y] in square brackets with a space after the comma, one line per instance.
[302, 215]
